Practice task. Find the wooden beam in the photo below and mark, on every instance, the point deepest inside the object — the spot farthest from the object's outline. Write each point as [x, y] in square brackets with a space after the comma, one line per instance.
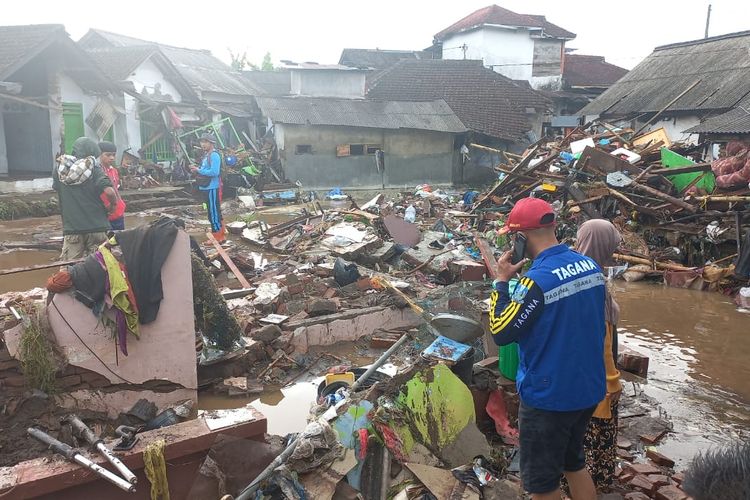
[225, 257]
[662, 110]
[698, 167]
[487, 255]
[658, 265]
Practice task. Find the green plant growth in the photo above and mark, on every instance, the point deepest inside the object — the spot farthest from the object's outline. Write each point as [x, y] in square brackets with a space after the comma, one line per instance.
[267, 64]
[39, 360]
[212, 317]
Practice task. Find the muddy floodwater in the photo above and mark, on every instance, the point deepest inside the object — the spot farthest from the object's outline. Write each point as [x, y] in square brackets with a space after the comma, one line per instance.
[699, 346]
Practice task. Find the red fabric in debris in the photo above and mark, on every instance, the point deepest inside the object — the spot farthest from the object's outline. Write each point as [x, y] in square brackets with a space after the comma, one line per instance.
[363, 443]
[392, 442]
[734, 170]
[499, 413]
[59, 282]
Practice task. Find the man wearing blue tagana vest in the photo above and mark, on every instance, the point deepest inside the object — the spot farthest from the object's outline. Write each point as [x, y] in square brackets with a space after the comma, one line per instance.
[556, 314]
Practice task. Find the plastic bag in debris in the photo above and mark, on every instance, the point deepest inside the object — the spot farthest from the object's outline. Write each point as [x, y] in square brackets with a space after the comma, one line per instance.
[336, 194]
[345, 272]
[317, 445]
[714, 231]
[411, 214]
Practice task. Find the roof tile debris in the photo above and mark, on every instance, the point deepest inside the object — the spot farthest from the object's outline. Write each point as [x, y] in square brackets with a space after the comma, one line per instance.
[485, 101]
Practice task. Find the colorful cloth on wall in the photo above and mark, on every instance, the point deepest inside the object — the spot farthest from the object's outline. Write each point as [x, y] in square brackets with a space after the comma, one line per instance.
[126, 316]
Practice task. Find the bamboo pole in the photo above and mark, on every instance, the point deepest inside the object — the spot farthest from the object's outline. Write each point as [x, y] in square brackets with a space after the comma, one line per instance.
[659, 265]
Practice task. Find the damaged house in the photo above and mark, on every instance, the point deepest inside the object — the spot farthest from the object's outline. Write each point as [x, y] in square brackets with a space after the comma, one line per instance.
[328, 142]
[221, 92]
[679, 86]
[379, 59]
[51, 93]
[498, 111]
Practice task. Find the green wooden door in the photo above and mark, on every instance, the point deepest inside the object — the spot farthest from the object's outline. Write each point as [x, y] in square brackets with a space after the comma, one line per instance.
[110, 135]
[73, 120]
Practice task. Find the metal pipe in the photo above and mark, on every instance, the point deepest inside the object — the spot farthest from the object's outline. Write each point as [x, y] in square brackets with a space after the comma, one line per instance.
[73, 455]
[97, 443]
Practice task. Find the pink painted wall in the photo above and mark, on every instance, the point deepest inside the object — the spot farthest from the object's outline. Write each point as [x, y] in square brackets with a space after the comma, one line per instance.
[165, 351]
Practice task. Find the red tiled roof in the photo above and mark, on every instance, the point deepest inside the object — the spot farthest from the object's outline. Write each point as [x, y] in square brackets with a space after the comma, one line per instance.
[494, 14]
[590, 71]
[485, 101]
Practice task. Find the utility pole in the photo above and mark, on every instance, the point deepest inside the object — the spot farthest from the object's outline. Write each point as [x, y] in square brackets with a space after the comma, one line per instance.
[708, 20]
[465, 47]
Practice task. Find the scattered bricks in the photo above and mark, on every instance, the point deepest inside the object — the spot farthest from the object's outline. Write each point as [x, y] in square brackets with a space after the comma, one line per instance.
[14, 381]
[652, 439]
[321, 307]
[5, 355]
[68, 381]
[295, 288]
[643, 469]
[633, 362]
[624, 455]
[330, 293]
[323, 272]
[660, 459]
[320, 288]
[295, 307]
[282, 341]
[291, 279]
[282, 309]
[636, 495]
[624, 443]
[364, 284]
[642, 483]
[267, 334]
[11, 364]
[625, 477]
[670, 493]
[611, 496]
[678, 477]
[659, 480]
[384, 340]
[490, 362]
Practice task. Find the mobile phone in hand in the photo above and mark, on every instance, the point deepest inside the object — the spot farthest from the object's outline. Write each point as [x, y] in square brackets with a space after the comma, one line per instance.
[519, 248]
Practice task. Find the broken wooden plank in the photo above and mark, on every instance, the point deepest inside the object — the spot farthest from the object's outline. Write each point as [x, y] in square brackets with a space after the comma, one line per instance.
[579, 196]
[228, 260]
[698, 167]
[653, 263]
[487, 255]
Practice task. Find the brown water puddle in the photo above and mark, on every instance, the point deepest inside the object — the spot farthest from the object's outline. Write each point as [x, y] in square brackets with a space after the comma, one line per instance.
[25, 258]
[699, 349]
[287, 408]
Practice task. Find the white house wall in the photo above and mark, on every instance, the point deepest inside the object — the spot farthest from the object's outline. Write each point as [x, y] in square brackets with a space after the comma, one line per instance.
[71, 92]
[132, 124]
[509, 52]
[147, 75]
[328, 83]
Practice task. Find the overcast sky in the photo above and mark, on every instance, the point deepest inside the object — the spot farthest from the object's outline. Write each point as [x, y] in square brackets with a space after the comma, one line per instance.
[306, 30]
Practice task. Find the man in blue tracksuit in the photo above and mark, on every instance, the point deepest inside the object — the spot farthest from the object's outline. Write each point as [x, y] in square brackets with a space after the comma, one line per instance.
[210, 170]
[556, 314]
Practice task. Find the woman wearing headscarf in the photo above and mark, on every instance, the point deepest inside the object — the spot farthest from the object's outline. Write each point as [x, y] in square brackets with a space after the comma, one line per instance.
[598, 239]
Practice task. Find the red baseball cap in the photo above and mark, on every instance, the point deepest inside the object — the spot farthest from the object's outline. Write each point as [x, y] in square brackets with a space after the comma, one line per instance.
[529, 213]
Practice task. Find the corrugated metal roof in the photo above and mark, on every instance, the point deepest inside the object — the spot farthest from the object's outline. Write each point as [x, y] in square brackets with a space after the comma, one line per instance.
[734, 121]
[379, 59]
[720, 64]
[427, 115]
[271, 83]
